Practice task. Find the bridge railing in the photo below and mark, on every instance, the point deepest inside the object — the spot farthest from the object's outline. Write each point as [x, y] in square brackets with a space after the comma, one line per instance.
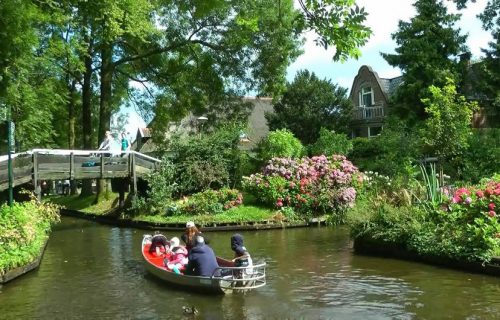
[49, 164]
[22, 168]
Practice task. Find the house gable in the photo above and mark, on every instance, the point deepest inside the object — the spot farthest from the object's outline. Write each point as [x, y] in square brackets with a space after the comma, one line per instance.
[365, 78]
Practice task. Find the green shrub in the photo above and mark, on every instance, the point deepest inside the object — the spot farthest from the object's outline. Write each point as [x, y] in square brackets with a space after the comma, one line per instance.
[392, 153]
[24, 229]
[464, 227]
[207, 161]
[281, 143]
[162, 188]
[481, 159]
[330, 143]
[210, 202]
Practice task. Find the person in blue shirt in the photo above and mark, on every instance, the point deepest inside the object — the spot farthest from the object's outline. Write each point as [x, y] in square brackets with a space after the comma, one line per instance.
[125, 142]
[202, 260]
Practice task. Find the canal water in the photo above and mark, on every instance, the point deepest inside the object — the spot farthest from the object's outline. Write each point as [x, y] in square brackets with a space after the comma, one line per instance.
[93, 271]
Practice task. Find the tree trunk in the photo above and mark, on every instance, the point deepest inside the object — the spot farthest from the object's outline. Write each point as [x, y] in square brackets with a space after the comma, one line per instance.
[105, 106]
[71, 124]
[87, 109]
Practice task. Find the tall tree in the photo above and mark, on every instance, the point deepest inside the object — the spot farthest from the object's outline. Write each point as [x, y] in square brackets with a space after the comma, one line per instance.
[491, 67]
[309, 104]
[447, 130]
[427, 54]
[29, 83]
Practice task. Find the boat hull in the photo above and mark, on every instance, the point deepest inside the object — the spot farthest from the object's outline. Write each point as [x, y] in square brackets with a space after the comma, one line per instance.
[219, 285]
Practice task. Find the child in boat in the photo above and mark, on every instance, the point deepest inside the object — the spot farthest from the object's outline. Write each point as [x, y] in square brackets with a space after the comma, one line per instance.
[178, 257]
[159, 245]
[241, 255]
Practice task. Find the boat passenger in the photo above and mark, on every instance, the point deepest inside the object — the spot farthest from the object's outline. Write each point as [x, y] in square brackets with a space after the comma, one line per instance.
[242, 257]
[202, 260]
[189, 236]
[178, 259]
[174, 242]
[159, 244]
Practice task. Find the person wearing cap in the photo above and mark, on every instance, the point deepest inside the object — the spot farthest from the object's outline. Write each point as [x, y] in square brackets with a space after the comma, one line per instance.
[202, 260]
[241, 255]
[189, 236]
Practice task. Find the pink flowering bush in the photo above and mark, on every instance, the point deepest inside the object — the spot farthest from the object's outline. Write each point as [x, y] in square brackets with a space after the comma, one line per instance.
[482, 201]
[311, 186]
[468, 224]
[463, 226]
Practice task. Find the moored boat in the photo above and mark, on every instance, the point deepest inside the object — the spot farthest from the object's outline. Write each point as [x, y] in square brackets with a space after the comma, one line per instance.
[225, 279]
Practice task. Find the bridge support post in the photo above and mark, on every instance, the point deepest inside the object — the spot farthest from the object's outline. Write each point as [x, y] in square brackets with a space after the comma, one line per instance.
[133, 189]
[36, 182]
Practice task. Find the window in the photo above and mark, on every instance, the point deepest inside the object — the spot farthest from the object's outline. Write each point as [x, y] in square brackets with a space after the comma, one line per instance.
[356, 132]
[366, 97]
[374, 131]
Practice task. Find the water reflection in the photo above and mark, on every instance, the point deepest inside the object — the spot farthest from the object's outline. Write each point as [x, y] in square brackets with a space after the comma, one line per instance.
[92, 271]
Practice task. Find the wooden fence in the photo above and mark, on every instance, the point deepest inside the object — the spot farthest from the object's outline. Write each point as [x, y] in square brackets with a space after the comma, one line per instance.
[48, 164]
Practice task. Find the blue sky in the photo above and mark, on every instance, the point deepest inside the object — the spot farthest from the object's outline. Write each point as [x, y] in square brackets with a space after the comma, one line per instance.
[383, 18]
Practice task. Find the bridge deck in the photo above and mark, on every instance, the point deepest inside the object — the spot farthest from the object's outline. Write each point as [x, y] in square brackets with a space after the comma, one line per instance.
[47, 164]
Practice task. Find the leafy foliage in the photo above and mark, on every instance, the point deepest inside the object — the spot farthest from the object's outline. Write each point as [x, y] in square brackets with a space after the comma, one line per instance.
[427, 49]
[209, 160]
[463, 227]
[392, 153]
[480, 160]
[309, 104]
[280, 143]
[162, 188]
[210, 202]
[446, 131]
[25, 228]
[337, 23]
[330, 143]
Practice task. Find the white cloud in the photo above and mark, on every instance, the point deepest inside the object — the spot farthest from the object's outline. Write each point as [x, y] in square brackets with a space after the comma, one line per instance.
[383, 19]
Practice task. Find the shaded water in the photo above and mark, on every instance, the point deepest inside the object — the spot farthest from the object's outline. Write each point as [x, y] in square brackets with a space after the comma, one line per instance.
[92, 271]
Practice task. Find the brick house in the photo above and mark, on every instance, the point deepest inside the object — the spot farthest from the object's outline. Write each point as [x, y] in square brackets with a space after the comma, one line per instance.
[257, 127]
[370, 96]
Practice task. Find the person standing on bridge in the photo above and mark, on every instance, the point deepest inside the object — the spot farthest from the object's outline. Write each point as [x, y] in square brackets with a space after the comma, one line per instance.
[107, 142]
[125, 142]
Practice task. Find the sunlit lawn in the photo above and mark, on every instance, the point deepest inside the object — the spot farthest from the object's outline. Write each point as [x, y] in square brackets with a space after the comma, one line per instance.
[249, 212]
[244, 213]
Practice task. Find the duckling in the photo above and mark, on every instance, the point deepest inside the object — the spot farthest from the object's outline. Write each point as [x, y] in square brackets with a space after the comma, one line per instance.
[190, 310]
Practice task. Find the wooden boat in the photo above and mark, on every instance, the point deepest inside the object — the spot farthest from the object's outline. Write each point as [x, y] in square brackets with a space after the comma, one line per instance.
[254, 276]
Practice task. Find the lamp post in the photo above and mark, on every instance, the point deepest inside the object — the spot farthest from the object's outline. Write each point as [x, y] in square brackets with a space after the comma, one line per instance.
[10, 133]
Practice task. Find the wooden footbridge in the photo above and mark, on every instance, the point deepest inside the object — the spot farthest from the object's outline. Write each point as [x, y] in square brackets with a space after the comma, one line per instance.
[48, 164]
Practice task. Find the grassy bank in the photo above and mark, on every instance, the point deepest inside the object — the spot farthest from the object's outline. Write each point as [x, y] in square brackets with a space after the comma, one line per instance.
[245, 213]
[25, 228]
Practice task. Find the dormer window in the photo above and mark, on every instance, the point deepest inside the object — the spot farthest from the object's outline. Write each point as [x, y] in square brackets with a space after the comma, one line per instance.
[366, 97]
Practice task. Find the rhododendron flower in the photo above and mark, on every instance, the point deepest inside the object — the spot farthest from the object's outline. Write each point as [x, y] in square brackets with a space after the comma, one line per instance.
[479, 194]
[279, 203]
[462, 191]
[491, 206]
[492, 213]
[456, 199]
